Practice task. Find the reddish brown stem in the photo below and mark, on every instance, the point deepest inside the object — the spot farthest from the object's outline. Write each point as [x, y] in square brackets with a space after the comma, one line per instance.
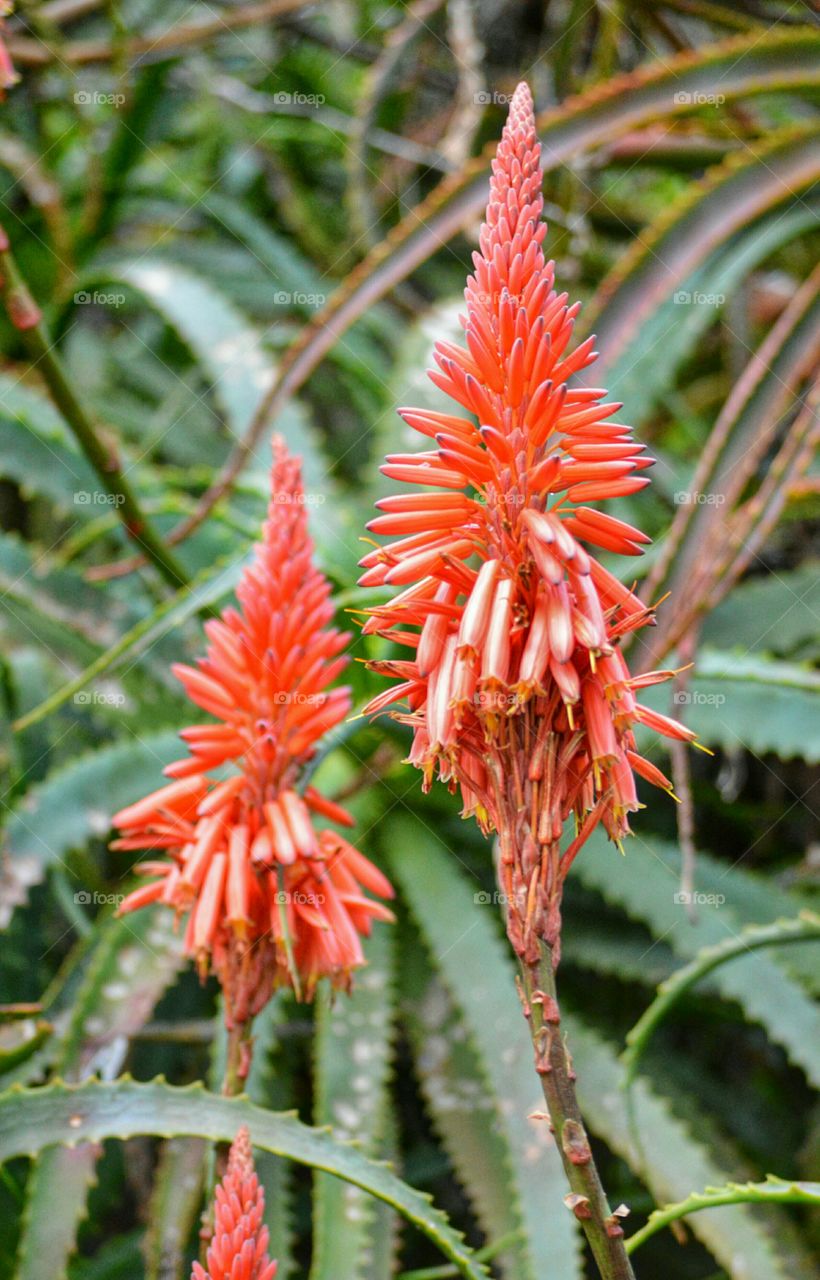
[587, 1199]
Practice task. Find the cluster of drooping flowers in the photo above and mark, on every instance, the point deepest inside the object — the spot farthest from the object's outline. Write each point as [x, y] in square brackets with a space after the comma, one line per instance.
[239, 1244]
[517, 692]
[271, 900]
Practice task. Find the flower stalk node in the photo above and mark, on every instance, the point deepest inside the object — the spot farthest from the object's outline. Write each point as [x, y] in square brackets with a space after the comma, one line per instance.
[579, 1205]
[575, 1143]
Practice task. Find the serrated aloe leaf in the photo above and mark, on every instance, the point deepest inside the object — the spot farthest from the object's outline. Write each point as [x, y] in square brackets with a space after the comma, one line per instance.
[134, 959]
[74, 804]
[38, 454]
[461, 1110]
[204, 590]
[223, 340]
[93, 1111]
[352, 1063]
[645, 884]
[56, 1198]
[230, 350]
[381, 1261]
[459, 928]
[56, 605]
[173, 1207]
[228, 347]
[776, 613]
[761, 706]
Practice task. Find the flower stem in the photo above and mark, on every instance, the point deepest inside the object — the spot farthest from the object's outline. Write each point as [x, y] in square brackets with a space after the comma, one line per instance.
[238, 1058]
[553, 1063]
[26, 316]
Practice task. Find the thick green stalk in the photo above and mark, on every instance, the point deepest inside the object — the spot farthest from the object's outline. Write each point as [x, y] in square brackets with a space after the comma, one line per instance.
[554, 1066]
[26, 317]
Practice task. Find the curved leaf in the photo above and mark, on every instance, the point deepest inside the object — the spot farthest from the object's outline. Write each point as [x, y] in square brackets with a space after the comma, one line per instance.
[806, 926]
[645, 884]
[772, 1191]
[228, 347]
[731, 198]
[66, 1114]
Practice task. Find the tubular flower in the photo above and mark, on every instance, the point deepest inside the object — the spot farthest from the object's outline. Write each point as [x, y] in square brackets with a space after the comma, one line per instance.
[239, 1245]
[271, 900]
[517, 692]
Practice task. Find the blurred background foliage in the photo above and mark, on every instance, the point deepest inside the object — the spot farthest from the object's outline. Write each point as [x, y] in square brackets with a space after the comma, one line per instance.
[241, 216]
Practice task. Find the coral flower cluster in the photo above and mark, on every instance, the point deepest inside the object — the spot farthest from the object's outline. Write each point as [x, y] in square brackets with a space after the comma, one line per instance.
[516, 691]
[239, 1245]
[271, 900]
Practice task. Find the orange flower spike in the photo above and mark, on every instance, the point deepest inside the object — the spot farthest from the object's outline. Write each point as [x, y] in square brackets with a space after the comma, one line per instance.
[239, 1245]
[265, 677]
[509, 687]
